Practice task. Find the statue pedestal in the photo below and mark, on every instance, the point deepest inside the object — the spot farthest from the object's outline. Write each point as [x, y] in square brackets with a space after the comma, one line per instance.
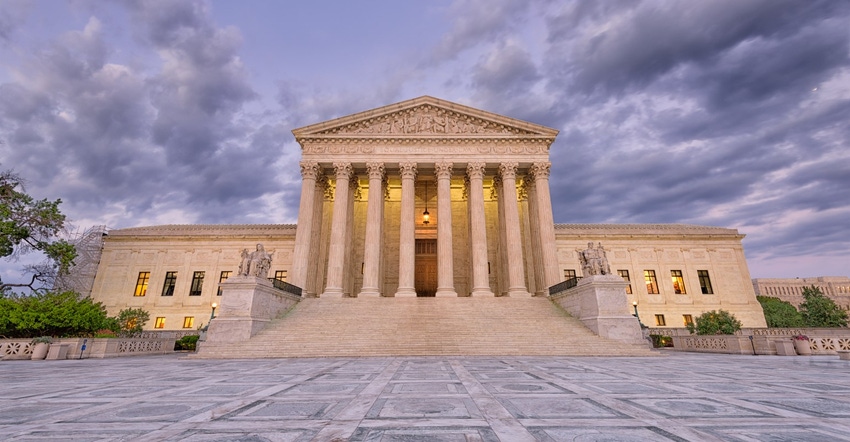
[600, 303]
[248, 304]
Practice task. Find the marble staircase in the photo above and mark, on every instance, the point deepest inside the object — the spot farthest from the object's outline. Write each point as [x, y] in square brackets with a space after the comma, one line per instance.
[423, 327]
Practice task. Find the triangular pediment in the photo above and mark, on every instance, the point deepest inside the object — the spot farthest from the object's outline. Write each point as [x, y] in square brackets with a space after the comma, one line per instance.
[424, 116]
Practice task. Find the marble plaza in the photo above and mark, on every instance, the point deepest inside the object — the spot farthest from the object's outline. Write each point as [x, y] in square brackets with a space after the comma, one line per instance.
[676, 397]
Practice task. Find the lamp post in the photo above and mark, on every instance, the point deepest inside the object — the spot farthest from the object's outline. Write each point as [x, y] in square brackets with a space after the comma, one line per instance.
[214, 305]
[634, 304]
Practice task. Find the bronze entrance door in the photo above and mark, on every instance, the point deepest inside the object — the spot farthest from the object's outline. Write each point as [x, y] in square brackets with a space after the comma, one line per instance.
[425, 278]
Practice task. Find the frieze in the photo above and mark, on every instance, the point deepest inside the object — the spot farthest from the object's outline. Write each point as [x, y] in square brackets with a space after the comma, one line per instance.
[499, 149]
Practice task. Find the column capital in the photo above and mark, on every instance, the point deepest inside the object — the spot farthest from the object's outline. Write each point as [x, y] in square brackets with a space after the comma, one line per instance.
[310, 169]
[443, 169]
[508, 170]
[407, 170]
[541, 170]
[375, 170]
[475, 170]
[343, 171]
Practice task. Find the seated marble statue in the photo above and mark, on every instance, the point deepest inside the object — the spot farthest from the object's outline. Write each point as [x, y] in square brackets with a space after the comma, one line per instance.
[594, 261]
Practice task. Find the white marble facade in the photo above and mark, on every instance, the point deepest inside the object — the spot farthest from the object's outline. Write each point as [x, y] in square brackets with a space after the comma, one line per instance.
[368, 179]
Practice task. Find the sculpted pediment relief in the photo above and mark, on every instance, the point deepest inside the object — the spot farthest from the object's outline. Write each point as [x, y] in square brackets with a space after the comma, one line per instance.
[424, 116]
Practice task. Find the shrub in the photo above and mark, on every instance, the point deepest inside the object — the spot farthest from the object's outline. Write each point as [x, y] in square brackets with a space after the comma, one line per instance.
[779, 313]
[659, 341]
[715, 322]
[187, 343]
[51, 314]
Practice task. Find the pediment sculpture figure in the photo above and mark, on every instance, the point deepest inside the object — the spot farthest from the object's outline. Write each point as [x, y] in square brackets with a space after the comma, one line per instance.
[594, 261]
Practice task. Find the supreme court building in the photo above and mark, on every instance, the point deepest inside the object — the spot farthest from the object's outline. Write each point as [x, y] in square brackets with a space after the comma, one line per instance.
[426, 198]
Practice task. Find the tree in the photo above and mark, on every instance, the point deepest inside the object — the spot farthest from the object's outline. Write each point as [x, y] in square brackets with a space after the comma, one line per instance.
[819, 311]
[719, 322]
[131, 321]
[28, 225]
[779, 313]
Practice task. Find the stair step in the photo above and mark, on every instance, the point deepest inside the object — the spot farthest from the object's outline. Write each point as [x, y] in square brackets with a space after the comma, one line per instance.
[423, 326]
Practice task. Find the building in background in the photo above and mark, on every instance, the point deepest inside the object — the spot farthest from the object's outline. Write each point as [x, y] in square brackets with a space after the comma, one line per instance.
[836, 288]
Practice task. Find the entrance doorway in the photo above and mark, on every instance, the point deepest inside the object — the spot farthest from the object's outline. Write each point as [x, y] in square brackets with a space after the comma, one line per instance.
[425, 278]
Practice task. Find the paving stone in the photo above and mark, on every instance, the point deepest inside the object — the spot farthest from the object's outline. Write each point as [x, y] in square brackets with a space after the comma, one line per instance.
[677, 397]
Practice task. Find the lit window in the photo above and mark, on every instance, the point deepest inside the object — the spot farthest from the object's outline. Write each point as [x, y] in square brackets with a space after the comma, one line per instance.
[678, 282]
[170, 282]
[222, 278]
[197, 284]
[625, 275]
[188, 322]
[570, 275]
[280, 275]
[160, 322]
[651, 283]
[142, 284]
[688, 319]
[659, 321]
[705, 282]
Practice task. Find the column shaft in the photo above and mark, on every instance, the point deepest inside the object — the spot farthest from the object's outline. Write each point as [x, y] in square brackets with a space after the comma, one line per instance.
[339, 231]
[314, 281]
[478, 230]
[374, 231]
[407, 232]
[546, 223]
[516, 275]
[540, 286]
[445, 263]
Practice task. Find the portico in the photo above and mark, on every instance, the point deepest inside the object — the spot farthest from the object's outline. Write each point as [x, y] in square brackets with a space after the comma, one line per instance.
[368, 179]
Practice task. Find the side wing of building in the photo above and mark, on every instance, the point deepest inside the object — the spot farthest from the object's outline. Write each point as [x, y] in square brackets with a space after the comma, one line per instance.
[676, 272]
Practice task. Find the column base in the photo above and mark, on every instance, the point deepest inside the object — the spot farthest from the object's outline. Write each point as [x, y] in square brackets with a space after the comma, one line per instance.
[482, 292]
[405, 293]
[369, 293]
[518, 292]
[333, 293]
[446, 293]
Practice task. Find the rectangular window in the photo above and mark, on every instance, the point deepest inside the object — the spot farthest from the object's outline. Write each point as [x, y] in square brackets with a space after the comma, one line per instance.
[222, 278]
[280, 275]
[678, 282]
[142, 284]
[651, 282]
[160, 322]
[688, 319]
[570, 275]
[705, 282]
[170, 282]
[189, 322]
[197, 284]
[625, 275]
[659, 321]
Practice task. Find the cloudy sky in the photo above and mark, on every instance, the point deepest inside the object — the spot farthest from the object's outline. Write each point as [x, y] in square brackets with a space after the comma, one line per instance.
[731, 113]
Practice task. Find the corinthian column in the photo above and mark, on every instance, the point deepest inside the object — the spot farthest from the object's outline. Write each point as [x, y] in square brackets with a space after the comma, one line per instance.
[445, 265]
[304, 232]
[546, 223]
[374, 231]
[339, 230]
[478, 230]
[516, 275]
[407, 232]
